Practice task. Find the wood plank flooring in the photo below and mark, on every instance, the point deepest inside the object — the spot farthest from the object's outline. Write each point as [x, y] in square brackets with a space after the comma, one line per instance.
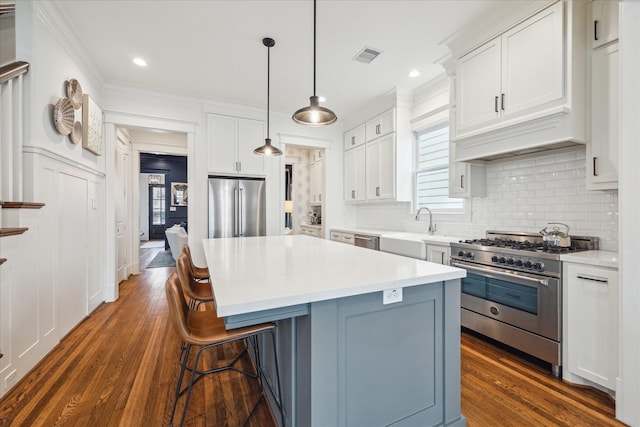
[119, 368]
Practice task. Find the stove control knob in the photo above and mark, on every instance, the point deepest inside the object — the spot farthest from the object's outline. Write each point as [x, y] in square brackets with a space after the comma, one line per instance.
[538, 266]
[510, 261]
[519, 262]
[502, 260]
[461, 253]
[469, 255]
[528, 264]
[494, 258]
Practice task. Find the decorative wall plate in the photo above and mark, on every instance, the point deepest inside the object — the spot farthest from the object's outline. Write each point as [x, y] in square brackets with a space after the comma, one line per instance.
[76, 133]
[74, 92]
[63, 116]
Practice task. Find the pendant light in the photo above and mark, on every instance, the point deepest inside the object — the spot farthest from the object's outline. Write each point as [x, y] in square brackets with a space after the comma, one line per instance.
[314, 114]
[267, 149]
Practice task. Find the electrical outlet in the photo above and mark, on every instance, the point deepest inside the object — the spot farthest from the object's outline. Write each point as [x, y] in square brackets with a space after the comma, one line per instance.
[391, 296]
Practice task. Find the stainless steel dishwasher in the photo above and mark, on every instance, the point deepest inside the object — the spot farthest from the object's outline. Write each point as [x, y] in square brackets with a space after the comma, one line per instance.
[367, 241]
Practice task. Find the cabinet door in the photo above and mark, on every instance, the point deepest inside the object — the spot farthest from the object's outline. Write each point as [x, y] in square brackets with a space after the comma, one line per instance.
[354, 137]
[592, 305]
[222, 134]
[478, 85]
[315, 183]
[380, 168]
[605, 22]
[381, 125]
[354, 174]
[532, 63]
[251, 134]
[438, 253]
[602, 150]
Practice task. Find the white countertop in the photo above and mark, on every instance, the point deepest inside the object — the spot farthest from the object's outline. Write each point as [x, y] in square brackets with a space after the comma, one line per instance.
[435, 238]
[260, 273]
[594, 258]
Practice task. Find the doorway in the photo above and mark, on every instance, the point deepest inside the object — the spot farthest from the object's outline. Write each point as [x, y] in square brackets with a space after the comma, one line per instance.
[157, 211]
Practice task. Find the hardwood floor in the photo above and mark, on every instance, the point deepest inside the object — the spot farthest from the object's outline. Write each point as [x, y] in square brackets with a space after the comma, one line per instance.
[119, 368]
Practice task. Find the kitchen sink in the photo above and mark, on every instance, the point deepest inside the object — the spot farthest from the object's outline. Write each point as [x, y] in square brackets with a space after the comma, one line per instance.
[408, 246]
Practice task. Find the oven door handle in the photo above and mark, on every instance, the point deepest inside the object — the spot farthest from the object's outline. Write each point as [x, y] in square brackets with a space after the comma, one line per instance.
[503, 274]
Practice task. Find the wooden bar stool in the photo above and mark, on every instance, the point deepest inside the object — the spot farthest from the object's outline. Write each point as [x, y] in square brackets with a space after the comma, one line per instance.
[204, 329]
[196, 292]
[201, 274]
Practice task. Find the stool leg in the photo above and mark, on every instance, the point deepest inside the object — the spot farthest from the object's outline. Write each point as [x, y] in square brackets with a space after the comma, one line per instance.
[183, 366]
[279, 398]
[194, 372]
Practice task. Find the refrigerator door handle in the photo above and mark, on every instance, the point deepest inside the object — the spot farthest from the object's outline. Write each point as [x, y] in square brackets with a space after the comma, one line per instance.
[235, 212]
[240, 213]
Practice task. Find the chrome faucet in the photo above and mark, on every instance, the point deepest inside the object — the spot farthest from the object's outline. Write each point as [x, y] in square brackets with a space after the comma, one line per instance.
[432, 226]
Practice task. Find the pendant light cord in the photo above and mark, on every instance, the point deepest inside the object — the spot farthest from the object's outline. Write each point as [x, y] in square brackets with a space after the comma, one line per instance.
[268, 84]
[314, 47]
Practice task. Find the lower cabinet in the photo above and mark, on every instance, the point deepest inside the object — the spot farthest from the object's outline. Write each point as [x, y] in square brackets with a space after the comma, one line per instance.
[342, 237]
[590, 314]
[310, 230]
[438, 253]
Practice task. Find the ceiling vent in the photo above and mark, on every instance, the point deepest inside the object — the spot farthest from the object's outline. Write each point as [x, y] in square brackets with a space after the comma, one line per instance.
[367, 54]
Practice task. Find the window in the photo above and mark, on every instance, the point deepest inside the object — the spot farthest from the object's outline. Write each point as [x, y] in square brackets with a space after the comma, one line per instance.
[432, 170]
[157, 204]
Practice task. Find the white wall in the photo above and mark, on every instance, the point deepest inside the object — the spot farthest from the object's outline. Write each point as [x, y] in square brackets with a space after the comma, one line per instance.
[522, 195]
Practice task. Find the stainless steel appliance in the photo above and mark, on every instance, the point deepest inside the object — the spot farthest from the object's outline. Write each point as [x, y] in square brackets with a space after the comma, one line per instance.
[236, 207]
[366, 241]
[513, 293]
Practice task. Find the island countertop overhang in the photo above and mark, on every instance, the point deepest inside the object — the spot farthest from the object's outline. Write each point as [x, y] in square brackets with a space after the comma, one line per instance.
[251, 274]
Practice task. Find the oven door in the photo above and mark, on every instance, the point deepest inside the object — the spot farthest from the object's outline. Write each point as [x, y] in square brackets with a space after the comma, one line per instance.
[527, 301]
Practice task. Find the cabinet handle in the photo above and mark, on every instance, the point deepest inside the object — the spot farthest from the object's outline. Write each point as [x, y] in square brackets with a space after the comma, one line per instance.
[502, 101]
[595, 29]
[593, 278]
[377, 191]
[594, 167]
[353, 194]
[353, 140]
[462, 181]
[377, 129]
[495, 104]
[319, 197]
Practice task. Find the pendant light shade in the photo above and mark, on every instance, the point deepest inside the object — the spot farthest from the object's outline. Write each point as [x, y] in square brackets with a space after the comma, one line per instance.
[267, 149]
[314, 114]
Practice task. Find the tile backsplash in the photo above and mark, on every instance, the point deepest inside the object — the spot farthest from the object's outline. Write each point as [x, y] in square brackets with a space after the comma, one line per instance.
[523, 194]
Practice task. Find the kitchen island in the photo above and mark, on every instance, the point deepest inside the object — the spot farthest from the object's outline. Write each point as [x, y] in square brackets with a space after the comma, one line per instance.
[346, 357]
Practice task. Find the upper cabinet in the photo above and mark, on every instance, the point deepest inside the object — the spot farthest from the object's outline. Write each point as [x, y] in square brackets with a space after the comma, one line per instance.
[513, 74]
[377, 169]
[381, 125]
[523, 90]
[604, 14]
[602, 149]
[231, 141]
[354, 137]
[316, 165]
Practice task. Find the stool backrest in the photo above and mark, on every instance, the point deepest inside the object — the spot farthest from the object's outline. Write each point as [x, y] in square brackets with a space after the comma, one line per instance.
[185, 276]
[178, 308]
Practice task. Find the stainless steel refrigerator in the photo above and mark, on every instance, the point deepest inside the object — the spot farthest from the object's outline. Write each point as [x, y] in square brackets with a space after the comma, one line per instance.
[236, 207]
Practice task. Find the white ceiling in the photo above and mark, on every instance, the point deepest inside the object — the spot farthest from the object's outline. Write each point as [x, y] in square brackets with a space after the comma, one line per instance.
[214, 48]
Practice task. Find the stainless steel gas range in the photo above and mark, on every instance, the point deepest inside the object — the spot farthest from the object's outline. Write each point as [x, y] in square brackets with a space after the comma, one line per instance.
[513, 290]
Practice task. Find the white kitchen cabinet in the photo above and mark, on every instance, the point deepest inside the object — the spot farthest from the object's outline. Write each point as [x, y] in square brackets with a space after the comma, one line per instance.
[602, 150]
[437, 253]
[381, 125]
[466, 179]
[515, 74]
[231, 144]
[315, 182]
[591, 324]
[355, 137]
[604, 22]
[354, 174]
[310, 230]
[380, 166]
[342, 237]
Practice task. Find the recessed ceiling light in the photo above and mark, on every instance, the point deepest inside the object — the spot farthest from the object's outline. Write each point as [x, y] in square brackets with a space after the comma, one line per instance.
[140, 62]
[414, 73]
